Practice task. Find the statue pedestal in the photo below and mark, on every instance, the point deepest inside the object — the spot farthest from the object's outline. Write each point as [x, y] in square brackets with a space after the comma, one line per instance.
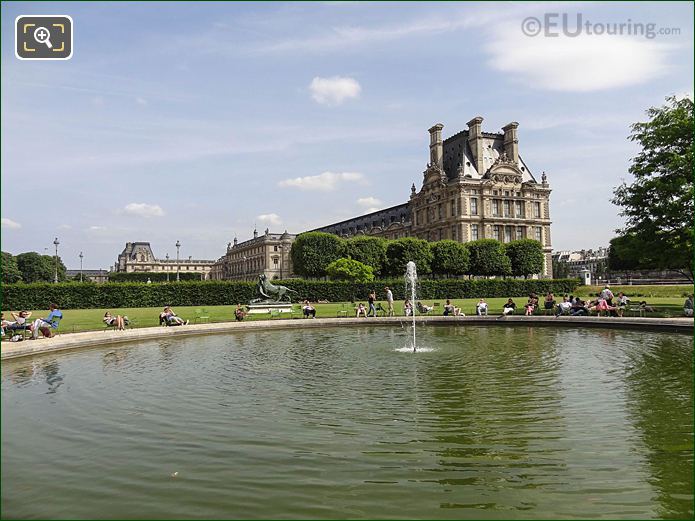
[258, 309]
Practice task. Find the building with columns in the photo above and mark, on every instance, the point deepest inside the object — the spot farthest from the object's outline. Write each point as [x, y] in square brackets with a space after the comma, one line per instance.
[138, 257]
[476, 185]
[268, 253]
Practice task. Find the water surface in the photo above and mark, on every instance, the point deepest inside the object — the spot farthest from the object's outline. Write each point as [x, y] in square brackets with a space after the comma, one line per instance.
[491, 422]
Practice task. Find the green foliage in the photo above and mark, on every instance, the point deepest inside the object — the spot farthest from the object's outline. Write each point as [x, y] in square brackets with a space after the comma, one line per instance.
[350, 270]
[217, 293]
[561, 270]
[401, 251]
[526, 256]
[154, 277]
[625, 253]
[658, 205]
[488, 258]
[449, 258]
[39, 268]
[368, 250]
[10, 270]
[312, 252]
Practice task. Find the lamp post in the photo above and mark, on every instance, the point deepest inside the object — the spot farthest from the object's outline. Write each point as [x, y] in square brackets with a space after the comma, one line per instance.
[167, 267]
[56, 243]
[81, 256]
[244, 275]
[178, 246]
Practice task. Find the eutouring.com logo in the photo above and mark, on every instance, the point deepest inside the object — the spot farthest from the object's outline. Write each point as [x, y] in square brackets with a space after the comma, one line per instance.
[553, 25]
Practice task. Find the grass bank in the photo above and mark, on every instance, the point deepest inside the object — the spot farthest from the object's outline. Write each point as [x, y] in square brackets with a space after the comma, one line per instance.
[77, 320]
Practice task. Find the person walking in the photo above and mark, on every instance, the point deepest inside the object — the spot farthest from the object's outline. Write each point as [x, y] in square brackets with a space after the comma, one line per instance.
[372, 308]
[389, 302]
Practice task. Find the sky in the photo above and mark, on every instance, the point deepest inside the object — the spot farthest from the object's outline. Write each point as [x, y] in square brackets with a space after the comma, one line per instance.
[199, 121]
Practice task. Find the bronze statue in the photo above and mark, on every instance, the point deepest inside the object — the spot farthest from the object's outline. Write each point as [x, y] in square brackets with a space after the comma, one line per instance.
[270, 293]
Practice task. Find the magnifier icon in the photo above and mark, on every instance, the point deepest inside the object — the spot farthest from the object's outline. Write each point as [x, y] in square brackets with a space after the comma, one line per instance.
[43, 35]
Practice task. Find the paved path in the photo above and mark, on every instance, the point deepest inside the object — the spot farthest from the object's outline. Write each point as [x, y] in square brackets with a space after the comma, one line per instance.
[63, 342]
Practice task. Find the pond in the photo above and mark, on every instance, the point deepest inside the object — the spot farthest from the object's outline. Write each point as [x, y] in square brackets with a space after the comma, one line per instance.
[487, 422]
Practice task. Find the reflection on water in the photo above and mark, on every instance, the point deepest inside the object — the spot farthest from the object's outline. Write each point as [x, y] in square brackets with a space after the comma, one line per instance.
[493, 422]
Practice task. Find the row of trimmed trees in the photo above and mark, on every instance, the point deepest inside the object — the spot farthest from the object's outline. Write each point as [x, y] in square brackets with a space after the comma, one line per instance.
[361, 258]
[30, 267]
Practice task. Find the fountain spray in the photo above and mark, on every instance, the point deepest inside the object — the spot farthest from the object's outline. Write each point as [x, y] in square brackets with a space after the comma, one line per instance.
[411, 280]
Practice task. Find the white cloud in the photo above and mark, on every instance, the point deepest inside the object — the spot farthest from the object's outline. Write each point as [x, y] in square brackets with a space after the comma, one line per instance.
[369, 202]
[96, 228]
[141, 101]
[10, 224]
[64, 227]
[270, 218]
[324, 182]
[334, 90]
[143, 210]
[576, 64]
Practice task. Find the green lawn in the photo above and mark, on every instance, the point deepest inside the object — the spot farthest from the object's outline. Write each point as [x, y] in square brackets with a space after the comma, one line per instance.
[76, 320]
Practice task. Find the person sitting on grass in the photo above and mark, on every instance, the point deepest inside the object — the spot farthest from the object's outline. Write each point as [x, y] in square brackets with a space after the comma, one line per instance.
[308, 310]
[621, 304]
[508, 308]
[239, 313]
[117, 322]
[481, 307]
[44, 325]
[450, 309]
[578, 308]
[549, 301]
[646, 307]
[170, 318]
[688, 306]
[407, 308]
[423, 309]
[564, 307]
[360, 310]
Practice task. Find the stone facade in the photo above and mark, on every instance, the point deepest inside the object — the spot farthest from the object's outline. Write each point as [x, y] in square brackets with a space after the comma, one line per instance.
[476, 185]
[138, 257]
[268, 253]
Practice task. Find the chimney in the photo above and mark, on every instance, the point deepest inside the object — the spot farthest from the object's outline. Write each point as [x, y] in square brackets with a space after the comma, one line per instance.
[475, 141]
[511, 142]
[436, 146]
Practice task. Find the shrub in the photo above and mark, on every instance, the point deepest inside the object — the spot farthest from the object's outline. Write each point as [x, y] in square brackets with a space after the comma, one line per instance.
[402, 251]
[449, 258]
[312, 252]
[216, 293]
[154, 277]
[488, 258]
[350, 270]
[526, 256]
[368, 250]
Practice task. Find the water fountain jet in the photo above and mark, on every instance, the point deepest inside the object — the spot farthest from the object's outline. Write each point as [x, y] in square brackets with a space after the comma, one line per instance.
[411, 281]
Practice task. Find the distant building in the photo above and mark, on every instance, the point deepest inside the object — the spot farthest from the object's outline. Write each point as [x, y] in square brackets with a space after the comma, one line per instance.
[595, 261]
[268, 253]
[137, 257]
[475, 186]
[93, 275]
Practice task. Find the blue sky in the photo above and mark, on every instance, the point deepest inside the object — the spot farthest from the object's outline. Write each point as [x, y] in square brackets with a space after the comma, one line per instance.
[195, 121]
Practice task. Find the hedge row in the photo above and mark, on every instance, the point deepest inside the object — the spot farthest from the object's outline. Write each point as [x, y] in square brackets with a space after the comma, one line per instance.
[152, 276]
[216, 293]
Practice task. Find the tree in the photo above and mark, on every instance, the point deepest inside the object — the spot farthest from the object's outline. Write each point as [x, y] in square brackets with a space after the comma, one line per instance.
[10, 270]
[401, 251]
[488, 258]
[312, 252]
[658, 205]
[350, 270]
[39, 268]
[526, 256]
[449, 258]
[561, 270]
[368, 250]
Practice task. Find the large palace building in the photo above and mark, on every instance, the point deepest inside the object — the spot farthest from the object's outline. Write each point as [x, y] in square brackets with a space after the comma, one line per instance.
[138, 257]
[475, 186]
